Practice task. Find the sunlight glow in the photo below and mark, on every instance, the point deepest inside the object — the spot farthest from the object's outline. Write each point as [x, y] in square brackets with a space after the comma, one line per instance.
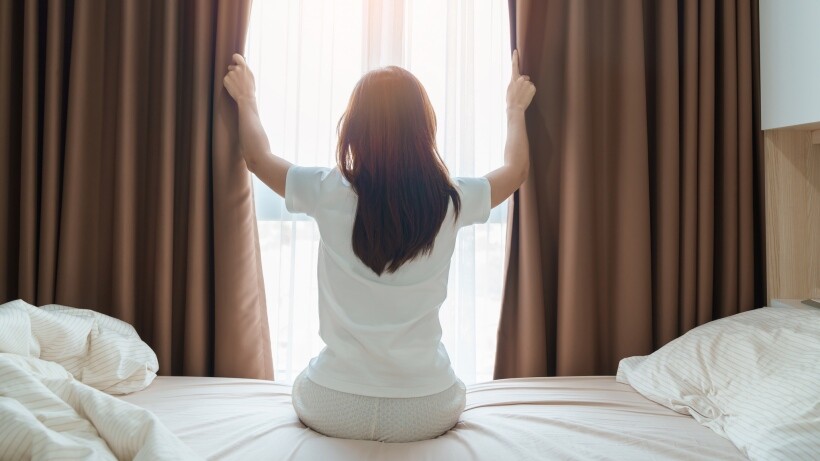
[307, 56]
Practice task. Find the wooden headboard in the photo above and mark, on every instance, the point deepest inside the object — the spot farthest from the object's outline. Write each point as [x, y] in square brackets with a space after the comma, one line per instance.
[792, 190]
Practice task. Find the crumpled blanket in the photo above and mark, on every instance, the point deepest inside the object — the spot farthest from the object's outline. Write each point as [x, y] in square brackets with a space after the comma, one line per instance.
[58, 366]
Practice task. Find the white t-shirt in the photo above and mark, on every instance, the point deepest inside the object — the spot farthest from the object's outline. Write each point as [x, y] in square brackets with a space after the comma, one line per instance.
[382, 333]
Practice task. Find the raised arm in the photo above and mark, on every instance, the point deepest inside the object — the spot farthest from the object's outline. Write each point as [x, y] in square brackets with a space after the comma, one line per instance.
[508, 178]
[253, 141]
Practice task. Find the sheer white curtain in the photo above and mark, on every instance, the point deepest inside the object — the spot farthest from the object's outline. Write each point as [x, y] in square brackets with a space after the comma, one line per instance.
[307, 56]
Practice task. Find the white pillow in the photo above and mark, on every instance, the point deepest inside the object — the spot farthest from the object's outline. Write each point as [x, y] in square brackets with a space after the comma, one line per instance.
[753, 378]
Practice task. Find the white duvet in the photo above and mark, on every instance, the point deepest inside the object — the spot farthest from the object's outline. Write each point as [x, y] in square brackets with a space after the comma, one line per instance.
[55, 363]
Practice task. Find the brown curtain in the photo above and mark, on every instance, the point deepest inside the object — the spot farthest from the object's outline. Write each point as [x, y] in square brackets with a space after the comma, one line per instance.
[121, 189]
[640, 219]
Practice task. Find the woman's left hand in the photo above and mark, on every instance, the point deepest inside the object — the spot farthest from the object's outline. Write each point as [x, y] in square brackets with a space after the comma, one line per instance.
[239, 80]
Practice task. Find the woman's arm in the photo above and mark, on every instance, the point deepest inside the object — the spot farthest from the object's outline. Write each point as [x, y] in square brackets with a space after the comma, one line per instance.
[253, 141]
[508, 178]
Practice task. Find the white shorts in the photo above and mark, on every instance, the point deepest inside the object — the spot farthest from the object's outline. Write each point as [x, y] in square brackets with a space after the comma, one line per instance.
[351, 416]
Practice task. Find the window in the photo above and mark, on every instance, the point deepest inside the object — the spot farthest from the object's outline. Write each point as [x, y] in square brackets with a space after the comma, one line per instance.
[307, 57]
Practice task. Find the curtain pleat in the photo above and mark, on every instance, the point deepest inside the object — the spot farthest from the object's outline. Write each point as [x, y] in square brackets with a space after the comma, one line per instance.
[235, 229]
[638, 221]
[122, 188]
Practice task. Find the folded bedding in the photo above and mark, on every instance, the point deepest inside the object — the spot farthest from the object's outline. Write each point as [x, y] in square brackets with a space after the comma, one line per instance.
[58, 366]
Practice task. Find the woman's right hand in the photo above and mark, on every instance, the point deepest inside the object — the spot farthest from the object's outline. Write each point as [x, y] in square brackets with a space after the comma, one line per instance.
[520, 90]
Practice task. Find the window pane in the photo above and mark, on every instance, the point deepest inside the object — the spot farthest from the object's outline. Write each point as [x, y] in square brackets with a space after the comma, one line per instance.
[307, 56]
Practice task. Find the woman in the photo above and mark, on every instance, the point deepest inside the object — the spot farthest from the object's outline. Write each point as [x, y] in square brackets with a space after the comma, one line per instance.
[388, 215]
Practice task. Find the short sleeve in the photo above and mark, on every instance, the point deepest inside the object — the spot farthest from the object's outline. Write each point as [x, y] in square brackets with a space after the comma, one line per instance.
[303, 188]
[475, 200]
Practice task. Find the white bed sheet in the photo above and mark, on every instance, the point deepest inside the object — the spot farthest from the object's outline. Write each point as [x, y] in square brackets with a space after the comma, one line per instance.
[564, 418]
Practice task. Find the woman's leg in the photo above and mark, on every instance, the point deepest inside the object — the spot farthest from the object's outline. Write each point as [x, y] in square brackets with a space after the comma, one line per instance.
[420, 418]
[351, 416]
[334, 413]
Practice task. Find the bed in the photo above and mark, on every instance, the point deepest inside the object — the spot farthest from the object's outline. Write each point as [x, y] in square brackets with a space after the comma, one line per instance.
[76, 384]
[517, 419]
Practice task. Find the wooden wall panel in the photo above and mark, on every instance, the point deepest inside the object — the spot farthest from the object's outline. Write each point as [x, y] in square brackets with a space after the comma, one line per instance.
[792, 183]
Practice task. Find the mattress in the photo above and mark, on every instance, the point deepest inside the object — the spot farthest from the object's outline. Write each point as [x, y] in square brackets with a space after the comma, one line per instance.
[566, 418]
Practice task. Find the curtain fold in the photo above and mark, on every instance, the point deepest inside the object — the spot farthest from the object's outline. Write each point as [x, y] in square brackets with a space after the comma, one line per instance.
[121, 189]
[641, 217]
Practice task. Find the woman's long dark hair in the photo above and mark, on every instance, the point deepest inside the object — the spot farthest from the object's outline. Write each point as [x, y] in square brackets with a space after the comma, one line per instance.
[387, 151]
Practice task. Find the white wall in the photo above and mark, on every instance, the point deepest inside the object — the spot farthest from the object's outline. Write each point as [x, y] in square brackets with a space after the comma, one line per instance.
[789, 63]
